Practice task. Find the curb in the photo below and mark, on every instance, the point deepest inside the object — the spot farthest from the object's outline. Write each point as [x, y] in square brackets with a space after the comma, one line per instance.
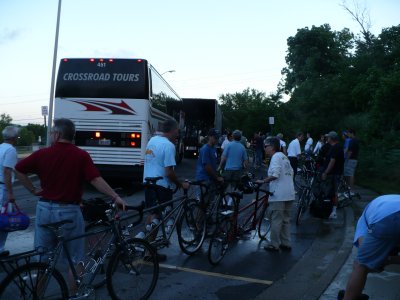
[314, 272]
[343, 254]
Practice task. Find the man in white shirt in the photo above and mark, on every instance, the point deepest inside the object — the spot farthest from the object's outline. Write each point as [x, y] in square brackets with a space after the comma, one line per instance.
[8, 160]
[159, 161]
[227, 140]
[294, 152]
[309, 144]
[280, 177]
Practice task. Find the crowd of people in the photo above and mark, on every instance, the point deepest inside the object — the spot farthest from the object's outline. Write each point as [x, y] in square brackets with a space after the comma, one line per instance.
[63, 167]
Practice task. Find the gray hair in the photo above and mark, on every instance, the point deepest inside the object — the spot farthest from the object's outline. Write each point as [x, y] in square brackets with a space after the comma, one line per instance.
[10, 132]
[274, 142]
[65, 127]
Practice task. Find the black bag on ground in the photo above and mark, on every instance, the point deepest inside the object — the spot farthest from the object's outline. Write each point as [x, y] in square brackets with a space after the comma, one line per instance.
[321, 208]
[323, 191]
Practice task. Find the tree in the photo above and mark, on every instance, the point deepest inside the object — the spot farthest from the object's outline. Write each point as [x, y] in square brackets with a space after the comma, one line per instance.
[5, 120]
[26, 137]
[248, 110]
[361, 16]
[315, 53]
[38, 130]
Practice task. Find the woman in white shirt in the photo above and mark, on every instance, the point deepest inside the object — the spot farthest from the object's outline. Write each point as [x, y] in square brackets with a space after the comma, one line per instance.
[280, 177]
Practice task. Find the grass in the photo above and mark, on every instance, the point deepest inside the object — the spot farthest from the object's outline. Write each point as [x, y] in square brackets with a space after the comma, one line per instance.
[382, 186]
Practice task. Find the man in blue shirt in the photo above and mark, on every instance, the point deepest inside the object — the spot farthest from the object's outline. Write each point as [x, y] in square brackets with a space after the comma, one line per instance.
[377, 234]
[234, 158]
[206, 168]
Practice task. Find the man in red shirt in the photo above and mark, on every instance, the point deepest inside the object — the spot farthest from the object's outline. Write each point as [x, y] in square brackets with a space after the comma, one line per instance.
[62, 170]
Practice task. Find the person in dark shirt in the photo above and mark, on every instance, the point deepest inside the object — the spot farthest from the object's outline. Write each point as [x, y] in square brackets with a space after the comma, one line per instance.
[62, 169]
[206, 168]
[258, 150]
[323, 153]
[350, 163]
[334, 167]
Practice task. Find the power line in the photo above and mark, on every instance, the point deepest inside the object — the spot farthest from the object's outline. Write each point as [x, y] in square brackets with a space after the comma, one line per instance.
[26, 101]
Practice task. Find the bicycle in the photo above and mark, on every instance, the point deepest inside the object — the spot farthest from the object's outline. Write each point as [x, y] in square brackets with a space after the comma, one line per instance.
[239, 221]
[306, 196]
[133, 262]
[187, 216]
[210, 207]
[345, 195]
[305, 172]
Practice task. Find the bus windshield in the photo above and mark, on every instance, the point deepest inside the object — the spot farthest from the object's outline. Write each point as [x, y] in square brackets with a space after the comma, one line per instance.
[104, 78]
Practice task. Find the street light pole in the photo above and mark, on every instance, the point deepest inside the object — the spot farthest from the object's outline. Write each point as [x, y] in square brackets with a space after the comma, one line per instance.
[53, 75]
[170, 71]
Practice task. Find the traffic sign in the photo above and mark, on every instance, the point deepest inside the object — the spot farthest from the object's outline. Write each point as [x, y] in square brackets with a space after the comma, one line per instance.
[45, 110]
[271, 120]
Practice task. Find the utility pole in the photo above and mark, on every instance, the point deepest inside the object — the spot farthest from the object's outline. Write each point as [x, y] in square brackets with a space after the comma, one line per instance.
[53, 75]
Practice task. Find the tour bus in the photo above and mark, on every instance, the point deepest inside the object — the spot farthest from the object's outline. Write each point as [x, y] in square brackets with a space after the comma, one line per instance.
[117, 105]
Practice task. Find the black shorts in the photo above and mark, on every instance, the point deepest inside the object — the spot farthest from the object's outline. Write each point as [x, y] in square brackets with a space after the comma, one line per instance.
[156, 195]
[294, 163]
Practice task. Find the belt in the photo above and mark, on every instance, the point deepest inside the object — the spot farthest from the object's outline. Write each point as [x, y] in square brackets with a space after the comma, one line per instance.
[55, 202]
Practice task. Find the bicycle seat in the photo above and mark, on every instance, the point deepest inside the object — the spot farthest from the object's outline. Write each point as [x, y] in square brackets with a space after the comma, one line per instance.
[152, 180]
[56, 225]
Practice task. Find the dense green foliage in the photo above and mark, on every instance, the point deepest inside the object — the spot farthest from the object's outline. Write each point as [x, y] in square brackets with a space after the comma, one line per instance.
[335, 81]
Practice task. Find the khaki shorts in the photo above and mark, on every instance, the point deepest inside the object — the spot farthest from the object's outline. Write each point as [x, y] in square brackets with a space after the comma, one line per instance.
[349, 167]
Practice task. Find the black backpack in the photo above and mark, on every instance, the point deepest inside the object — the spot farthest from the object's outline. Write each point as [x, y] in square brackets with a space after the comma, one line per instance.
[323, 191]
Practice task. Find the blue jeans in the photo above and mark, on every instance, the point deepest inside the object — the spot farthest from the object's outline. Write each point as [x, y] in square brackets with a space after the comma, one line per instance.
[47, 212]
[3, 200]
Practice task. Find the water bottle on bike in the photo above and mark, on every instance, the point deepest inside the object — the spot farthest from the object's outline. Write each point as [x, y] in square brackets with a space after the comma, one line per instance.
[170, 222]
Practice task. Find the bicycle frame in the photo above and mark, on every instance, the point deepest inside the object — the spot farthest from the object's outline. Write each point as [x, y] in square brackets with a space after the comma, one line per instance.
[257, 203]
[116, 239]
[164, 239]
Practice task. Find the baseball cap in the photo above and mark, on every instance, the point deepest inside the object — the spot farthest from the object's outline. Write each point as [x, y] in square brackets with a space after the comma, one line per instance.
[213, 132]
[237, 133]
[332, 135]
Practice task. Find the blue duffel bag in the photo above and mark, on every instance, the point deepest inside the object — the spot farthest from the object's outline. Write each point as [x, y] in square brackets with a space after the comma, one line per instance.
[13, 220]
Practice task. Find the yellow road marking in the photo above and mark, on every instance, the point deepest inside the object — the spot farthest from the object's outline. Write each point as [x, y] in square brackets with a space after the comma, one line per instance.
[206, 273]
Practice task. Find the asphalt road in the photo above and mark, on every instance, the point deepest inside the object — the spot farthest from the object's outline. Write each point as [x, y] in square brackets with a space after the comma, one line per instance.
[246, 272]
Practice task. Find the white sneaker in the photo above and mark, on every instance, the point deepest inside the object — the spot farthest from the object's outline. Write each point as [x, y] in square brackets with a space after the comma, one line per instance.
[333, 215]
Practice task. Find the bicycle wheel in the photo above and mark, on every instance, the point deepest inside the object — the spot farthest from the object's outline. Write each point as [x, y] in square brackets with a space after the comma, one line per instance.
[32, 281]
[219, 242]
[132, 272]
[300, 179]
[301, 206]
[191, 228]
[264, 225]
[96, 246]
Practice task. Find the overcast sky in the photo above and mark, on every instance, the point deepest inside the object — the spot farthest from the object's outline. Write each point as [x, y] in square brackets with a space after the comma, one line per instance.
[214, 46]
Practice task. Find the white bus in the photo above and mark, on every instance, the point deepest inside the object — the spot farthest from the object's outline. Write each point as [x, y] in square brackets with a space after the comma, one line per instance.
[116, 105]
